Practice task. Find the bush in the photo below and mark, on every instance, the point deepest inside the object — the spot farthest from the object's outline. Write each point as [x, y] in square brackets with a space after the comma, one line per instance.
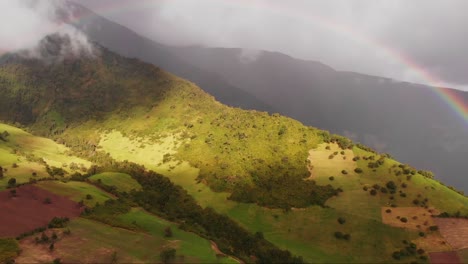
[331, 178]
[168, 232]
[168, 255]
[391, 185]
[373, 192]
[12, 183]
[433, 228]
[341, 220]
[339, 235]
[358, 170]
[404, 219]
[344, 172]
[388, 211]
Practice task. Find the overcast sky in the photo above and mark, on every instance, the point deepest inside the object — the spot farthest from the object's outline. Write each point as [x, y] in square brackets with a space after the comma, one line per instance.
[354, 35]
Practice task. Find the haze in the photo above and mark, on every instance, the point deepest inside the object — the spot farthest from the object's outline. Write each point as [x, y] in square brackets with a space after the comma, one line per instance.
[342, 34]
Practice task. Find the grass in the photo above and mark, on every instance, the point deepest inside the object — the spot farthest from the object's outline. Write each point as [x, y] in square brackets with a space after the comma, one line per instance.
[123, 182]
[25, 150]
[52, 153]
[189, 245]
[77, 191]
[463, 254]
[9, 249]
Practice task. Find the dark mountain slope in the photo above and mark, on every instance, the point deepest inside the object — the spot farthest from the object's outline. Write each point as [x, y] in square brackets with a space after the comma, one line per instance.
[129, 44]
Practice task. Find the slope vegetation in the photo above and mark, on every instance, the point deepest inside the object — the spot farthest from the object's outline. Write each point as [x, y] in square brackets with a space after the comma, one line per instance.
[315, 194]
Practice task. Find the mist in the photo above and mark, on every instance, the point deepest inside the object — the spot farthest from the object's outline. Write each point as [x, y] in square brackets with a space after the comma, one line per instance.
[25, 24]
[347, 35]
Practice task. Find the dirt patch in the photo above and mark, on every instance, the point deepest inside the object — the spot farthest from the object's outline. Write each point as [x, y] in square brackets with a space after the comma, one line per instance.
[454, 230]
[417, 218]
[449, 257]
[28, 210]
[433, 242]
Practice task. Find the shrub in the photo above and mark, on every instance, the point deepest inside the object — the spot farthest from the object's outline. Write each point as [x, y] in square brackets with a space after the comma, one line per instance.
[341, 220]
[391, 185]
[358, 170]
[344, 172]
[339, 235]
[331, 178]
[388, 211]
[168, 255]
[433, 228]
[404, 219]
[168, 232]
[373, 192]
[11, 183]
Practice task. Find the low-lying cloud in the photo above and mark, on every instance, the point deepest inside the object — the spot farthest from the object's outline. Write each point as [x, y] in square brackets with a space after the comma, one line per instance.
[27, 25]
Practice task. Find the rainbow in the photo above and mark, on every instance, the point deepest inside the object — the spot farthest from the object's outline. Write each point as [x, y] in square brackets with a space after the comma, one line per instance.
[450, 97]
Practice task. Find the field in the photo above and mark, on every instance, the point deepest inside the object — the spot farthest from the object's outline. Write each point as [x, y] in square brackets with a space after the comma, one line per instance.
[9, 249]
[102, 243]
[123, 182]
[28, 152]
[454, 230]
[322, 166]
[76, 191]
[189, 243]
[417, 218]
[37, 147]
[449, 257]
[29, 210]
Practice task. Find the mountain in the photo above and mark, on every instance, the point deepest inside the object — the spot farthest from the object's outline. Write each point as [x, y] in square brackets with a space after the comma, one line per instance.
[262, 187]
[406, 120]
[128, 43]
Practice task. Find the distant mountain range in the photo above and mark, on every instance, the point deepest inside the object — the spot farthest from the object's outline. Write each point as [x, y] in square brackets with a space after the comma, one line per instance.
[406, 120]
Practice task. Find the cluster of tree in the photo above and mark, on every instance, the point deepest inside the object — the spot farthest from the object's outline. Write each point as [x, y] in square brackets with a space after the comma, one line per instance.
[343, 142]
[58, 222]
[283, 192]
[410, 250]
[54, 171]
[160, 196]
[457, 214]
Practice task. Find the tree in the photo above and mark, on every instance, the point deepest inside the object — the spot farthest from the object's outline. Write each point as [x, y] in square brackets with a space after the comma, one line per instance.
[168, 255]
[1, 172]
[12, 183]
[168, 232]
[47, 200]
[341, 220]
[391, 185]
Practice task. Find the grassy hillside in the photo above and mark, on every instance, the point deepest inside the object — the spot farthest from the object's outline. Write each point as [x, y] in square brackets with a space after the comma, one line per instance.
[317, 195]
[25, 157]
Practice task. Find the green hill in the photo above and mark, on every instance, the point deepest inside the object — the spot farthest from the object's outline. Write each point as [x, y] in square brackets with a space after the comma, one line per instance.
[315, 194]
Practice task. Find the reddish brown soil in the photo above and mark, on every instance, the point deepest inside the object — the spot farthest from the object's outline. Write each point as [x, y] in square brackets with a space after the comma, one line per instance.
[454, 230]
[27, 211]
[450, 257]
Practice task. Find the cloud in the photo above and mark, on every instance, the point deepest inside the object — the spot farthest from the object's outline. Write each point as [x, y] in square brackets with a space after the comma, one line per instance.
[25, 24]
[347, 35]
